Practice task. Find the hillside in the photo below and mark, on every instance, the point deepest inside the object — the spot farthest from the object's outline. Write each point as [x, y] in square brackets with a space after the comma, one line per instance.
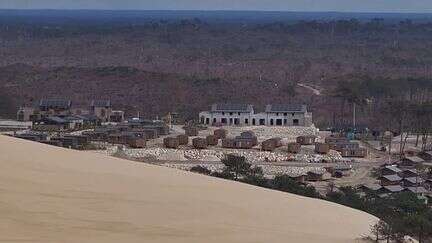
[51, 194]
[156, 62]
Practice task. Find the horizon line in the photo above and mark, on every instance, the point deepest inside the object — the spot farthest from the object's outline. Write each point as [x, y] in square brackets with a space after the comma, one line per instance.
[220, 10]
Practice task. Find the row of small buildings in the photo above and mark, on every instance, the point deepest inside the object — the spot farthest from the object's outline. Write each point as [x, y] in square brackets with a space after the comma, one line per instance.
[401, 177]
[133, 133]
[248, 140]
[60, 114]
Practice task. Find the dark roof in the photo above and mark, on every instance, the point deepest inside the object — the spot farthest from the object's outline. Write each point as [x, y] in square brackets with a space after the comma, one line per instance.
[417, 189]
[101, 103]
[373, 187]
[393, 168]
[72, 118]
[392, 177]
[87, 117]
[289, 108]
[231, 108]
[414, 159]
[413, 171]
[414, 180]
[55, 119]
[55, 103]
[395, 188]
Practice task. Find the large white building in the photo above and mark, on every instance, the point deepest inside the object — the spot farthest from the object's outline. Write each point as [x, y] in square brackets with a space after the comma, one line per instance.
[244, 115]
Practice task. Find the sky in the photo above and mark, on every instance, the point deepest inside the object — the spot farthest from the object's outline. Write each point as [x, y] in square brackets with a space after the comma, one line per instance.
[424, 6]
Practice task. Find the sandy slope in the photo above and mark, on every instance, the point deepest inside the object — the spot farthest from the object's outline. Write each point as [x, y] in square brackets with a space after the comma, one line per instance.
[50, 194]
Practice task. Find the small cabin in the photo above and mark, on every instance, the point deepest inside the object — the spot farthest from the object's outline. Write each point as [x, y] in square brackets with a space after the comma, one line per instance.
[390, 180]
[268, 145]
[171, 142]
[410, 161]
[191, 131]
[306, 140]
[199, 143]
[390, 170]
[228, 143]
[212, 140]
[322, 148]
[294, 148]
[220, 133]
[355, 152]
[183, 139]
[427, 156]
[136, 142]
[412, 181]
[315, 176]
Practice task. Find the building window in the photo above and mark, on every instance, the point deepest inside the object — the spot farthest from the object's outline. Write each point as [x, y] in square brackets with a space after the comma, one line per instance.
[214, 120]
[285, 114]
[223, 113]
[224, 120]
[230, 121]
[202, 120]
[238, 113]
[253, 122]
[271, 122]
[278, 122]
[292, 114]
[207, 120]
[246, 121]
[277, 114]
[231, 113]
[295, 122]
[236, 121]
[285, 121]
[262, 122]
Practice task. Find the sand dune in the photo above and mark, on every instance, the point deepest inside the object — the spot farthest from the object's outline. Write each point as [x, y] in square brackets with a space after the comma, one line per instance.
[51, 194]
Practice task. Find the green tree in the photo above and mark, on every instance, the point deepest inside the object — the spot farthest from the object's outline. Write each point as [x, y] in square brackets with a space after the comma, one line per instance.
[236, 165]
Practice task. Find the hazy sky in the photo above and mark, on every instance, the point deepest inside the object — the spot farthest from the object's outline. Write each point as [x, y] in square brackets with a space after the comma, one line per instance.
[282, 5]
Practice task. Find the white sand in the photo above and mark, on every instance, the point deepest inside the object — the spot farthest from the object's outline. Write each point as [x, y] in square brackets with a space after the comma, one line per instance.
[51, 194]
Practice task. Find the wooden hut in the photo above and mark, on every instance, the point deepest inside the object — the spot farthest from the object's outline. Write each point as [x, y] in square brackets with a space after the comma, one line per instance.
[199, 143]
[249, 135]
[268, 145]
[294, 148]
[306, 140]
[356, 152]
[315, 176]
[220, 133]
[171, 142]
[212, 140]
[228, 143]
[191, 131]
[136, 142]
[244, 143]
[322, 148]
[336, 140]
[183, 139]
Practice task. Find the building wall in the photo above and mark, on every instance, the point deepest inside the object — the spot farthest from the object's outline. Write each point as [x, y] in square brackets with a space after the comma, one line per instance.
[251, 119]
[102, 113]
[228, 118]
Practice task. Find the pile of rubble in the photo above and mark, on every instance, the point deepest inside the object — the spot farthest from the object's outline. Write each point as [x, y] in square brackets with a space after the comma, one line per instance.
[269, 170]
[250, 155]
[331, 157]
[264, 133]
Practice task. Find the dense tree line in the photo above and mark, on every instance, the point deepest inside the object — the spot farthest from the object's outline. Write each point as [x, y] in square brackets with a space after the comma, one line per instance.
[400, 214]
[403, 106]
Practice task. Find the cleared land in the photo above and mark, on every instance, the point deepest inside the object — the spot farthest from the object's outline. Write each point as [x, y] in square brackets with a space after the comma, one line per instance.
[51, 194]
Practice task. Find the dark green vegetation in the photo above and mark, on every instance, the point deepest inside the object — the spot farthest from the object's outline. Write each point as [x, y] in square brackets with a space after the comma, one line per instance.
[401, 214]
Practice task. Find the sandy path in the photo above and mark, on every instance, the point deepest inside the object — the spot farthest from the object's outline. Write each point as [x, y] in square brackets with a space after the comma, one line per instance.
[50, 194]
